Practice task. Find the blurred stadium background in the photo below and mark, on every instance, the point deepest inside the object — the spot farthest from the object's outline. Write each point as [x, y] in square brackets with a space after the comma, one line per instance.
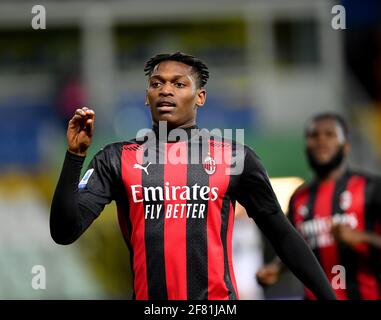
[272, 64]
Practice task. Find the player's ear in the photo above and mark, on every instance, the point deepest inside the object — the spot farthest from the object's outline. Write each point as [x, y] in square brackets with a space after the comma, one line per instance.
[201, 97]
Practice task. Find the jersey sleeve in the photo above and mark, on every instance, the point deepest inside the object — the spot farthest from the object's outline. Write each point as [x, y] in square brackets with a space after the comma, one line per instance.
[98, 186]
[290, 211]
[254, 190]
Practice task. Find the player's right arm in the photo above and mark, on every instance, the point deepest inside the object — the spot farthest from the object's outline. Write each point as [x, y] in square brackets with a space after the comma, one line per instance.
[68, 219]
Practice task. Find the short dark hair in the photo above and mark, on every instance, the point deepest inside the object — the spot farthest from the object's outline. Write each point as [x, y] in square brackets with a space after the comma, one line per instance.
[333, 116]
[198, 66]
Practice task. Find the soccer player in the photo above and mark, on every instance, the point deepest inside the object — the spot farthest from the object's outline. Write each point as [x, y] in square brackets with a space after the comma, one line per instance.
[176, 218]
[338, 213]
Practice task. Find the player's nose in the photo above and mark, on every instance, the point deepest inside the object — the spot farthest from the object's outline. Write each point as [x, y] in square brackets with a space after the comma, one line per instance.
[320, 139]
[166, 89]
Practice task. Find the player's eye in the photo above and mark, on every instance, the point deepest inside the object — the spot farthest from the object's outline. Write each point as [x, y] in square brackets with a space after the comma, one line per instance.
[312, 134]
[155, 84]
[179, 85]
[330, 134]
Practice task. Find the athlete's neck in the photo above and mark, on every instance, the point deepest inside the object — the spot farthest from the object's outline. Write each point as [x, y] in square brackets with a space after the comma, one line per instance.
[163, 132]
[334, 174]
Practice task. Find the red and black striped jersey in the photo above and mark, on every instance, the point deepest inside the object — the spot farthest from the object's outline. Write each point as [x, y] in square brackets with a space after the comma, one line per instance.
[353, 199]
[177, 218]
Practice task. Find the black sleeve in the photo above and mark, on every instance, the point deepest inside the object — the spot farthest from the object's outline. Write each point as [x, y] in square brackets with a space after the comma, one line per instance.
[257, 196]
[295, 254]
[290, 212]
[254, 190]
[100, 186]
[76, 205]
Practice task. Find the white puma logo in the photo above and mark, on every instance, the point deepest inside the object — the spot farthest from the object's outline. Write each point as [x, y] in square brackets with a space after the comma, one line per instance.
[138, 166]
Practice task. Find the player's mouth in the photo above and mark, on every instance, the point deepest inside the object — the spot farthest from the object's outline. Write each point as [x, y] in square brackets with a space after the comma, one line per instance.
[166, 105]
[322, 151]
[322, 155]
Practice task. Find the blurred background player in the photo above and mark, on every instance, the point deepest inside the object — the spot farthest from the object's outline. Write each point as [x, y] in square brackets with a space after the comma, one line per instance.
[338, 213]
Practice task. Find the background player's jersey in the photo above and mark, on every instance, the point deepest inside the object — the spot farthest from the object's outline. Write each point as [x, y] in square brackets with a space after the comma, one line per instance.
[354, 199]
[177, 218]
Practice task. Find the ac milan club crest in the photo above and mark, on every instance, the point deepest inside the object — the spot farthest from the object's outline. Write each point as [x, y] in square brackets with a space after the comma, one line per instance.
[303, 211]
[209, 165]
[345, 200]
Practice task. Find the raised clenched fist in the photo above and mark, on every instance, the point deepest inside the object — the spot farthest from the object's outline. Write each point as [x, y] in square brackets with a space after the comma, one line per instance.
[80, 131]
